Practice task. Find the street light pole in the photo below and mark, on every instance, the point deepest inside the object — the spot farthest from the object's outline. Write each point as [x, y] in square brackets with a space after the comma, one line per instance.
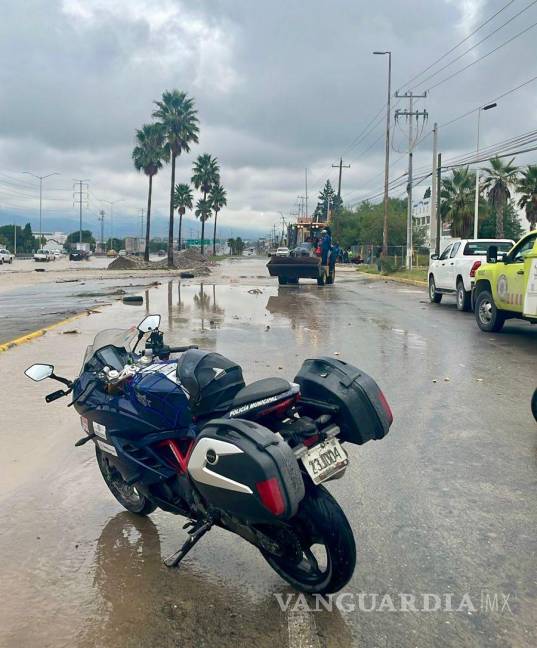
[112, 203]
[387, 155]
[40, 178]
[476, 204]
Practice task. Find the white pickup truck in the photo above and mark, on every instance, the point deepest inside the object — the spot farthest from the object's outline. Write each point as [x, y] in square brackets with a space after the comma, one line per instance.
[453, 272]
[6, 256]
[44, 255]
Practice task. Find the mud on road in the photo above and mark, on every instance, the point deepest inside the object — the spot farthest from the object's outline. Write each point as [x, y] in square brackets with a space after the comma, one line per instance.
[447, 503]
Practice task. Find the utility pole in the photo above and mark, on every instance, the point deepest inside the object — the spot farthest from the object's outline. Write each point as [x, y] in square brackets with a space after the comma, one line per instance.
[101, 219]
[40, 178]
[283, 228]
[300, 206]
[306, 177]
[410, 114]
[82, 187]
[387, 155]
[111, 203]
[434, 213]
[340, 166]
[438, 187]
[476, 203]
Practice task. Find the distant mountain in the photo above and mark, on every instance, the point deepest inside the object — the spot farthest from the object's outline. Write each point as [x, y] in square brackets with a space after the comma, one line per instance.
[125, 226]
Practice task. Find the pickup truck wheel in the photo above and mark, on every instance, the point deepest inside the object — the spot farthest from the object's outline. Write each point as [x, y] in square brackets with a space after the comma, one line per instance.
[435, 297]
[488, 317]
[463, 297]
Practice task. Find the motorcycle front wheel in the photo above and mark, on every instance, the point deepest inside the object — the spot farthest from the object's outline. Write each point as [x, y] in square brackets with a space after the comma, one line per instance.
[325, 551]
[126, 495]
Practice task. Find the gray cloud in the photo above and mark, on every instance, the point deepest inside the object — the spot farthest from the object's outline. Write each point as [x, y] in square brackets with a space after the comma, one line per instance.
[279, 86]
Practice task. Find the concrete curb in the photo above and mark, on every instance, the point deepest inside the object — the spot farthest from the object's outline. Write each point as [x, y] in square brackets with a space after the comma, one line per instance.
[5, 346]
[411, 282]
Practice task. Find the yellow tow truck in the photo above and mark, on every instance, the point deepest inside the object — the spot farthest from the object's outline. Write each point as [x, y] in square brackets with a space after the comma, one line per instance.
[506, 286]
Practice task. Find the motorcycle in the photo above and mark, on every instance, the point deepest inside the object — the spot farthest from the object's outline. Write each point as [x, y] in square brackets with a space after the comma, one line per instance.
[188, 436]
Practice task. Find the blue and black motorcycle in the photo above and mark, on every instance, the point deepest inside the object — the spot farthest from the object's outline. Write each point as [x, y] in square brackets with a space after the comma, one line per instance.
[188, 436]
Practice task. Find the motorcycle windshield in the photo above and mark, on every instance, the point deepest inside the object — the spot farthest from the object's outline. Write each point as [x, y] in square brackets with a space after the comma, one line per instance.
[120, 338]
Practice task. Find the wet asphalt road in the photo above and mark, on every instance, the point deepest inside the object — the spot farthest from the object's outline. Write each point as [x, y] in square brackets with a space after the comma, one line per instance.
[446, 504]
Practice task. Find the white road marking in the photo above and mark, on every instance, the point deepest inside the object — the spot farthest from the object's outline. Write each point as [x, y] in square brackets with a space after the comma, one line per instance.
[302, 629]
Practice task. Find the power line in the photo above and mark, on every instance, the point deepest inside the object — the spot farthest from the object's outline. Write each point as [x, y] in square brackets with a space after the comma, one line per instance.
[505, 94]
[457, 58]
[440, 58]
[469, 65]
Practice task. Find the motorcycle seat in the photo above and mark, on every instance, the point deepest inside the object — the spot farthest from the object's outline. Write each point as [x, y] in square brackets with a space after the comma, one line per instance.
[260, 389]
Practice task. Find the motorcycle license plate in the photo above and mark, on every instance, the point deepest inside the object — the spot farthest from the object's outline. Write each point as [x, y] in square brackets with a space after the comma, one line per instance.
[325, 460]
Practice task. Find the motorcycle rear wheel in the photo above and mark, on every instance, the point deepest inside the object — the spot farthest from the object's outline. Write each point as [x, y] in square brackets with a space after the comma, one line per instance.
[321, 528]
[126, 495]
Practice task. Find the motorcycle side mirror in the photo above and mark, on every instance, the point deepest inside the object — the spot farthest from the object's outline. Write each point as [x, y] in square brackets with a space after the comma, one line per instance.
[150, 323]
[39, 372]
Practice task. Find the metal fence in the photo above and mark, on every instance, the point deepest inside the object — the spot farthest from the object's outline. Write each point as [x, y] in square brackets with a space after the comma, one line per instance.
[371, 252]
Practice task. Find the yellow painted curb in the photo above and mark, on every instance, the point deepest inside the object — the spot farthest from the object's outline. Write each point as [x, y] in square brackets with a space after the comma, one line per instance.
[412, 282]
[35, 334]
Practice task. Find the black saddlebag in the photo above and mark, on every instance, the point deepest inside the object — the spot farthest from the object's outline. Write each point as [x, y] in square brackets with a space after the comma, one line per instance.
[246, 470]
[362, 414]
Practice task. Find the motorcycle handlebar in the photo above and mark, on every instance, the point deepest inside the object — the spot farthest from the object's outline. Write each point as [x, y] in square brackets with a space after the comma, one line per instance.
[166, 350]
[55, 395]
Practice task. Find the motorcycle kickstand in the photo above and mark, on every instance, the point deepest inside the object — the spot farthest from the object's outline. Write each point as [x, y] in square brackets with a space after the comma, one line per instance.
[197, 533]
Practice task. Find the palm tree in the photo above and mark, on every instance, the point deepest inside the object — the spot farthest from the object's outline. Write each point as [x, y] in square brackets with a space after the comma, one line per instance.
[147, 156]
[458, 197]
[178, 116]
[501, 177]
[182, 200]
[203, 212]
[205, 174]
[218, 199]
[527, 186]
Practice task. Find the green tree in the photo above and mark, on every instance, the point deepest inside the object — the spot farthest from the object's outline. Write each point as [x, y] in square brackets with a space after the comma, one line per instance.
[205, 174]
[218, 199]
[325, 203]
[501, 177]
[182, 200]
[74, 237]
[147, 156]
[527, 186]
[155, 246]
[364, 223]
[26, 241]
[511, 223]
[236, 246]
[427, 193]
[178, 117]
[114, 244]
[203, 212]
[457, 205]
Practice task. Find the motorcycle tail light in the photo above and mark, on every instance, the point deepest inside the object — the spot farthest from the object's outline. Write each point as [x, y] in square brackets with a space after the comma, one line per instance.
[271, 495]
[474, 268]
[386, 407]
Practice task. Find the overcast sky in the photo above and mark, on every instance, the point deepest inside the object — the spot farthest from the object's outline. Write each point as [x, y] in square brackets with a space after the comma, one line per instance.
[279, 86]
